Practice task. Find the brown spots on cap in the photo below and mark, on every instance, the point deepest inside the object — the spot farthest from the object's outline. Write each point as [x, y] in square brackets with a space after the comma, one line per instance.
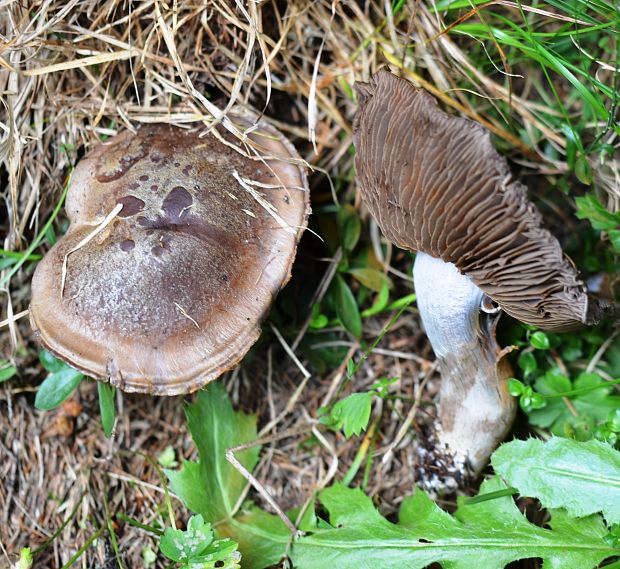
[176, 204]
[131, 206]
[127, 245]
[180, 274]
[115, 163]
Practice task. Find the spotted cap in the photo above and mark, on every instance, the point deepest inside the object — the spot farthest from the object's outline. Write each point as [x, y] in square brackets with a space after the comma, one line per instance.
[171, 292]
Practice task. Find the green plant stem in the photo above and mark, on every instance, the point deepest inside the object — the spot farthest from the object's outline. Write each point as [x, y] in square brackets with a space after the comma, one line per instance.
[108, 518]
[384, 331]
[19, 255]
[37, 240]
[369, 460]
[361, 453]
[61, 528]
[162, 479]
[491, 496]
[582, 390]
[84, 547]
[135, 523]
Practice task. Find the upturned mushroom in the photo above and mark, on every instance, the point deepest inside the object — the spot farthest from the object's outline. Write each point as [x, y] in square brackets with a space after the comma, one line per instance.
[177, 246]
[435, 185]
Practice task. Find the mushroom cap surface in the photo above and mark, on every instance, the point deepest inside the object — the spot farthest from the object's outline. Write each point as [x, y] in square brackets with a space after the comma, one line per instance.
[171, 292]
[434, 183]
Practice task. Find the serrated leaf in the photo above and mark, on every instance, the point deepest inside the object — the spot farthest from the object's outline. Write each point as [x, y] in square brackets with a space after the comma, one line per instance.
[346, 307]
[167, 458]
[564, 415]
[263, 538]
[57, 388]
[106, 407]
[582, 477]
[488, 535]
[183, 546]
[212, 486]
[589, 207]
[352, 413]
[195, 547]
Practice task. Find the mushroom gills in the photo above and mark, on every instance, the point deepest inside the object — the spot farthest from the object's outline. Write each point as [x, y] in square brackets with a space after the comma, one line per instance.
[475, 410]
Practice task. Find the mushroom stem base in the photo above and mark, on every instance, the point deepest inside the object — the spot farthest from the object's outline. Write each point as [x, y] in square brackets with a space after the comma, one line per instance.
[475, 410]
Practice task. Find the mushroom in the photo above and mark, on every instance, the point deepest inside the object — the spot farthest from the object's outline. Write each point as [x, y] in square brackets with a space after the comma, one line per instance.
[178, 245]
[435, 184]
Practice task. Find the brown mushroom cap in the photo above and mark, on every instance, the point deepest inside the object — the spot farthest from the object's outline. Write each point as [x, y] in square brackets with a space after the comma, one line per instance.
[171, 293]
[434, 183]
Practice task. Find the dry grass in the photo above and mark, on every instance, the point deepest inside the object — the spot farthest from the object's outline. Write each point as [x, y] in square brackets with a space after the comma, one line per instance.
[73, 73]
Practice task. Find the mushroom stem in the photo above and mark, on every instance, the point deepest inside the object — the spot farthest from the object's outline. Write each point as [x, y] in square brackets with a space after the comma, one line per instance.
[475, 410]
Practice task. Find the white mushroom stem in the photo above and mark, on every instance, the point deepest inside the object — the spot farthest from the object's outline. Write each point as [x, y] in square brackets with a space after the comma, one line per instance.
[475, 410]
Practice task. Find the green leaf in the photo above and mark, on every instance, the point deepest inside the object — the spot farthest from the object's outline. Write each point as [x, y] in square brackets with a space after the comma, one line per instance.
[527, 362]
[487, 535]
[515, 387]
[7, 371]
[148, 556]
[57, 387]
[212, 486]
[540, 341]
[614, 237]
[25, 559]
[582, 477]
[346, 307]
[352, 413]
[51, 363]
[107, 407]
[195, 547]
[589, 207]
[318, 320]
[573, 415]
[380, 302]
[371, 278]
[262, 537]
[167, 458]
[583, 170]
[180, 545]
[350, 227]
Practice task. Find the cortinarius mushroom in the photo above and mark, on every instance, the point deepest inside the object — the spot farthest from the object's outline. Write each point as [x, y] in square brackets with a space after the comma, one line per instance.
[435, 184]
[177, 247]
